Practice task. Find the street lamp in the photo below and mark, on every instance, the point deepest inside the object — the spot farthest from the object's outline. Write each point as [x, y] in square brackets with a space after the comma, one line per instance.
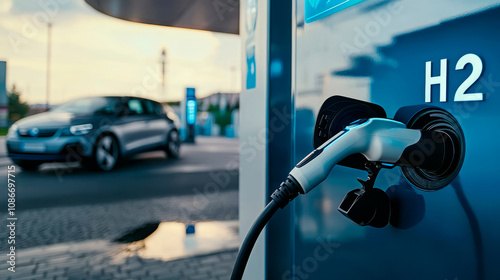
[49, 39]
[163, 62]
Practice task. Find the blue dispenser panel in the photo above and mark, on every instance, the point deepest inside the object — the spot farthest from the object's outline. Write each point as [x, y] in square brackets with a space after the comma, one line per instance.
[399, 53]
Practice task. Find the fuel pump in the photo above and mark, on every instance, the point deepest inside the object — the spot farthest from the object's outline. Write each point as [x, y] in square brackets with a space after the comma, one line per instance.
[427, 143]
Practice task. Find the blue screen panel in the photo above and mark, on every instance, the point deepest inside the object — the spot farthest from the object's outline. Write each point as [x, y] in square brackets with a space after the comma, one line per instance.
[317, 9]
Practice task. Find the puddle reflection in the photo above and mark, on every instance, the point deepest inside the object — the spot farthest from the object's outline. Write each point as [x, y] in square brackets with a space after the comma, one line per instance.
[169, 241]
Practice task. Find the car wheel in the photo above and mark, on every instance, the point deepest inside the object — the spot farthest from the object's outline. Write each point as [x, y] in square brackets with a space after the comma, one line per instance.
[173, 144]
[28, 165]
[106, 153]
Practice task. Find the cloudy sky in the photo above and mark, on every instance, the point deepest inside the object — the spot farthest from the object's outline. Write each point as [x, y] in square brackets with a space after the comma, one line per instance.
[94, 54]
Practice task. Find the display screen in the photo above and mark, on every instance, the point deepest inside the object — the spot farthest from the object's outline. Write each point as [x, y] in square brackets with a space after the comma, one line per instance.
[316, 9]
[191, 111]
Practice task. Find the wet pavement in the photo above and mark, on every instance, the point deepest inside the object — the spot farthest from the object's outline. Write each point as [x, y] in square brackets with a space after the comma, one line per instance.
[39, 227]
[129, 223]
[101, 260]
[77, 250]
[171, 240]
[166, 250]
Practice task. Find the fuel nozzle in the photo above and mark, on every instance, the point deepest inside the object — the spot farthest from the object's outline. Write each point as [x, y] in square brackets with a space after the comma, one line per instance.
[428, 144]
[376, 139]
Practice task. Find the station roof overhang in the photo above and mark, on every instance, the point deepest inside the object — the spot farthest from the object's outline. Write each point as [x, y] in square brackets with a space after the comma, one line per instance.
[210, 15]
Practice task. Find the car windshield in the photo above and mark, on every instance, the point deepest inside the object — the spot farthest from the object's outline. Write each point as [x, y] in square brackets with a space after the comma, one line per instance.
[92, 105]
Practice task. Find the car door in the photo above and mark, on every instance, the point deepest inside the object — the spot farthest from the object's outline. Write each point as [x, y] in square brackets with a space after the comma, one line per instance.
[132, 126]
[157, 124]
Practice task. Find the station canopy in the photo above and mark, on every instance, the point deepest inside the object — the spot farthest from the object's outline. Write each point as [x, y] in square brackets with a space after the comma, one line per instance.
[211, 15]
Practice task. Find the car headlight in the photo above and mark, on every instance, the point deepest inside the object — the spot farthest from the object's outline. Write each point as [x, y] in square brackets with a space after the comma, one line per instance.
[12, 130]
[80, 129]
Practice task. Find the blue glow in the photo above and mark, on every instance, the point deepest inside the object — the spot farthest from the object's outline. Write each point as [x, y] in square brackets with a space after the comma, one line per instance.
[276, 68]
[334, 139]
[317, 9]
[191, 111]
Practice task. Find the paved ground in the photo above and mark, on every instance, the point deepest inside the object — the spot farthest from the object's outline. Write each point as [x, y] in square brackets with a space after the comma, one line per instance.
[68, 216]
[212, 161]
[81, 205]
[89, 261]
[48, 226]
[93, 256]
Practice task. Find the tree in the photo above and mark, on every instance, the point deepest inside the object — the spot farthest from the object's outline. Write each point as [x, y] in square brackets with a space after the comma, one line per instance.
[222, 117]
[17, 108]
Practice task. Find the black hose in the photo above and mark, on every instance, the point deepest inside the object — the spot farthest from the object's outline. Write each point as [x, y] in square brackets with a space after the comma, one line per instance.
[251, 238]
[287, 192]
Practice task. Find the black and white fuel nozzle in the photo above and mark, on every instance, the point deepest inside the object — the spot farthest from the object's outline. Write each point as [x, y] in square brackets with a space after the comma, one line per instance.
[380, 142]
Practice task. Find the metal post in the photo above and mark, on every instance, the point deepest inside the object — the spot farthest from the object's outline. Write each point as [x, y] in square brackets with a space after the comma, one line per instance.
[49, 42]
[163, 62]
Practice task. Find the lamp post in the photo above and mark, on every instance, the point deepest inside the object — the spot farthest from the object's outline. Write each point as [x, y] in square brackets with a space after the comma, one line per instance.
[49, 41]
[163, 62]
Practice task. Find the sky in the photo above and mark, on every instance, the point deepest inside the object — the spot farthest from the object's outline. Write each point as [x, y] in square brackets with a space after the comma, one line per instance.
[95, 54]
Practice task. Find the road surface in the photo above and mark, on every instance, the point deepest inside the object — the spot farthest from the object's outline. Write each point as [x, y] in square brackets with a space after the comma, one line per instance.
[63, 203]
[210, 165]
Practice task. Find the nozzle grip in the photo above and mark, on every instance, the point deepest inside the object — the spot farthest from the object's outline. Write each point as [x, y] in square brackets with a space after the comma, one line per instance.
[314, 168]
[380, 140]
